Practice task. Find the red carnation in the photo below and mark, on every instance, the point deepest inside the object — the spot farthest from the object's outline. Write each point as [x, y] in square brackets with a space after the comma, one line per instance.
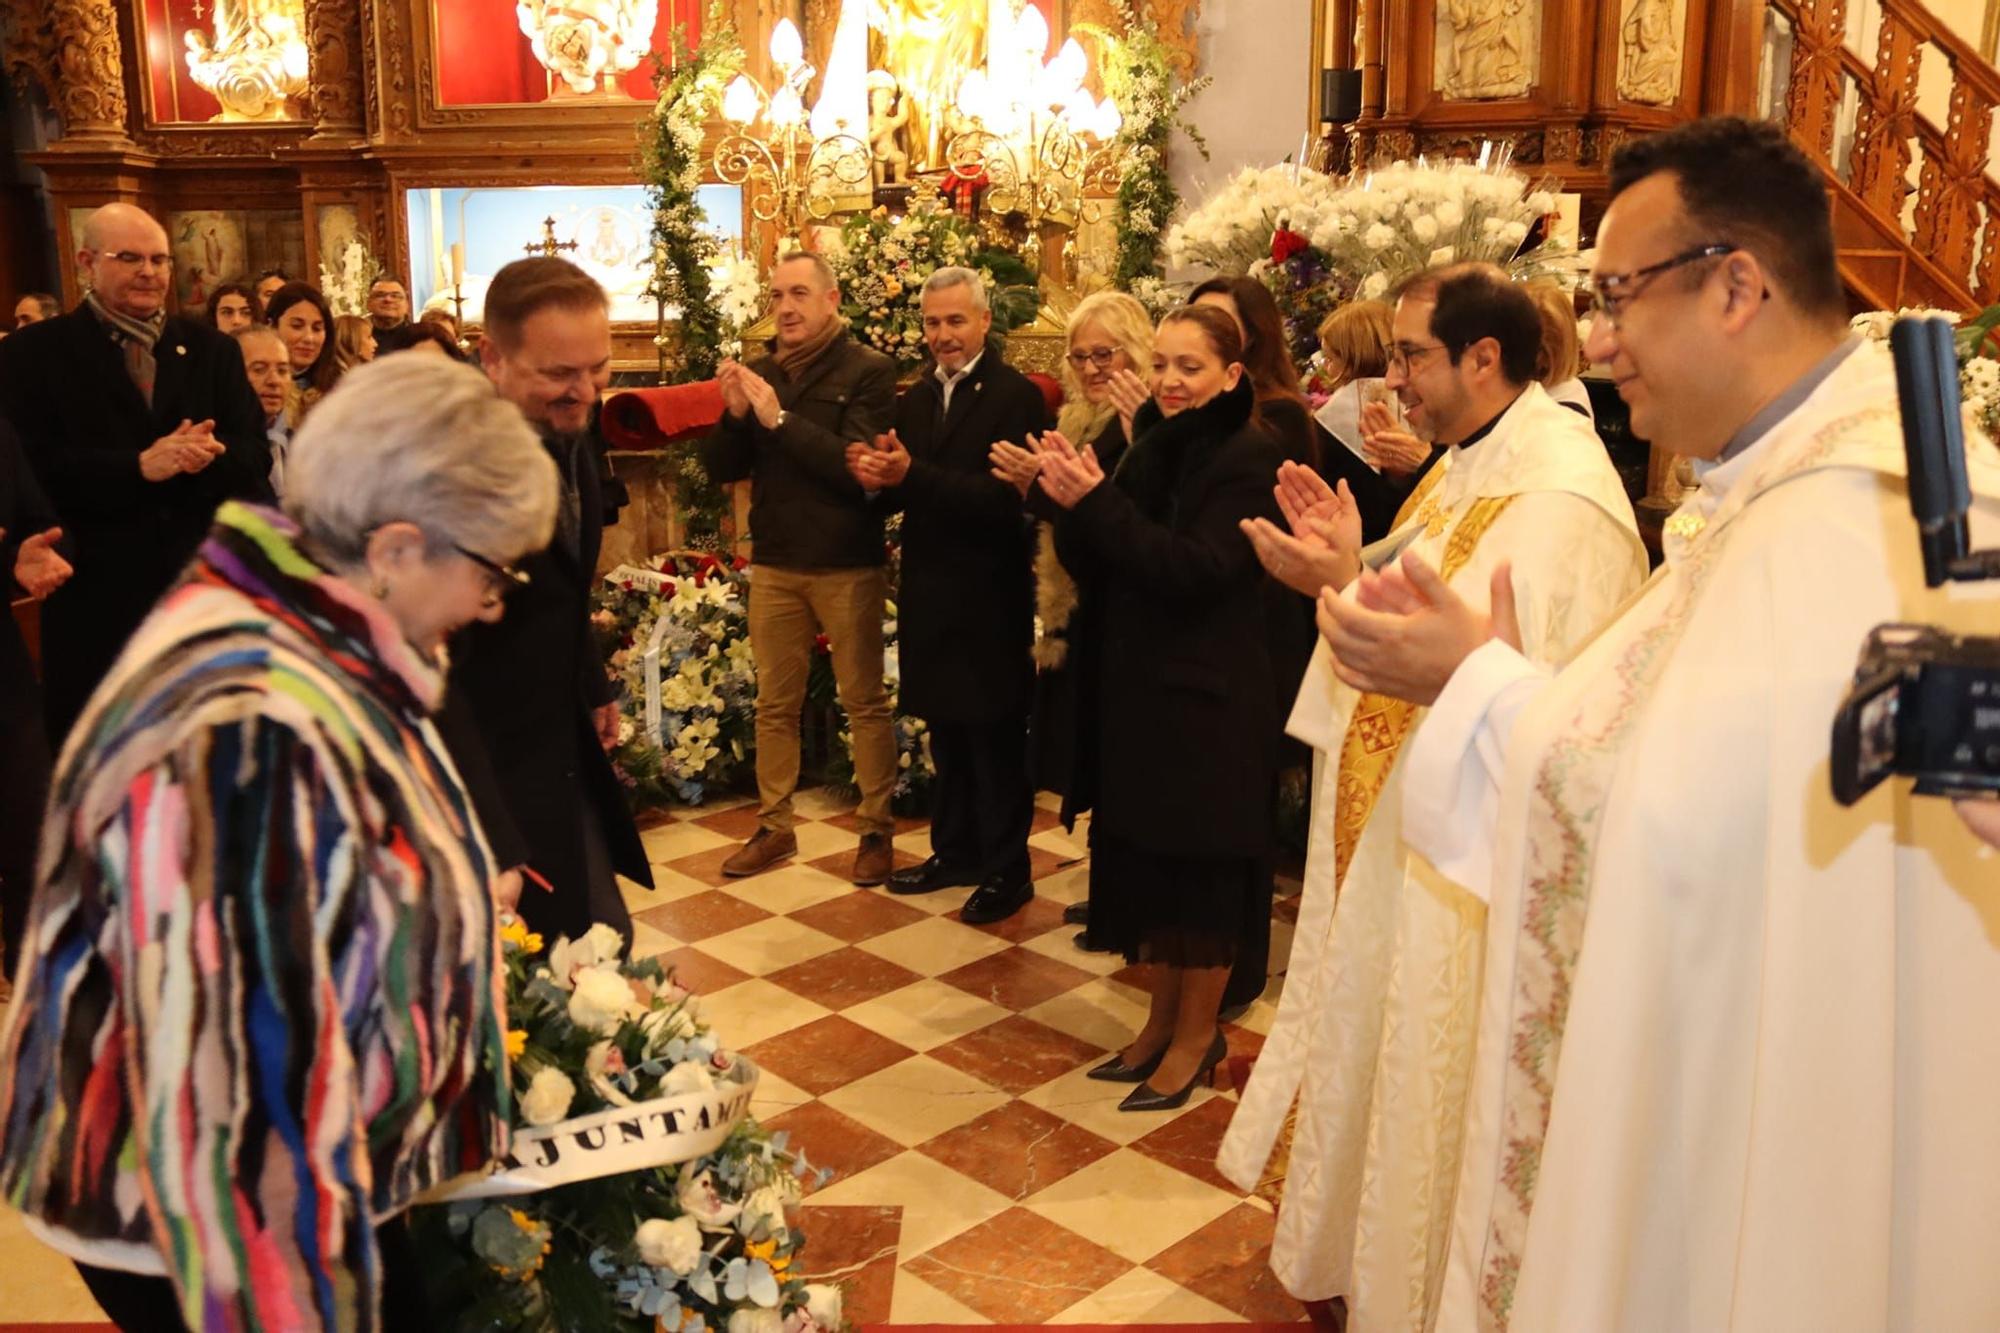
[820, 644]
[1285, 243]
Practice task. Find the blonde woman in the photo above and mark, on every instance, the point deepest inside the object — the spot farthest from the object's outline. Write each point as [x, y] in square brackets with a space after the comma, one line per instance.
[1560, 365]
[1354, 347]
[1110, 348]
[353, 342]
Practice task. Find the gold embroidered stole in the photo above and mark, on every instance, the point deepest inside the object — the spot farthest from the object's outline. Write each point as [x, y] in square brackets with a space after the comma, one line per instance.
[1380, 724]
[1564, 820]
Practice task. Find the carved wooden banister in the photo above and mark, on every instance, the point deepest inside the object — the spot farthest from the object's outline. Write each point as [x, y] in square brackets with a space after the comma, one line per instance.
[1948, 231]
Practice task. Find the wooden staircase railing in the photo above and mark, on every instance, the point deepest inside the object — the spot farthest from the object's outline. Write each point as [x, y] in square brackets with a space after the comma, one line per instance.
[1947, 253]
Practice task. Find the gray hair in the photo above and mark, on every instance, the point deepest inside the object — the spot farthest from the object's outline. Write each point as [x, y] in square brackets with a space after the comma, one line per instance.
[957, 276]
[423, 440]
[822, 270]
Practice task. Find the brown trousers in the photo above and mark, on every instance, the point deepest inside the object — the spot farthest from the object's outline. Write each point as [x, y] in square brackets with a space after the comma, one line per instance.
[789, 608]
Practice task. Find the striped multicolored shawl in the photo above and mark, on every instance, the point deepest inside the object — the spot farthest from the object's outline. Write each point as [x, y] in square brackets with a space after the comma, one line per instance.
[261, 1007]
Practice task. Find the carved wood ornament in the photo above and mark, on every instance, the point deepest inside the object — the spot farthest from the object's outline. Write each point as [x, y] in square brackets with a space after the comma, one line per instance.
[70, 48]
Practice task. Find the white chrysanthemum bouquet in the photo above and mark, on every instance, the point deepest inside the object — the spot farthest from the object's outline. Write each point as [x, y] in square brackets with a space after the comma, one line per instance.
[1391, 223]
[1231, 230]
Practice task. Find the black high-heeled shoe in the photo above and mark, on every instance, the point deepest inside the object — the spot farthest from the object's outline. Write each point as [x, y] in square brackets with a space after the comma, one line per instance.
[1115, 1070]
[1146, 1098]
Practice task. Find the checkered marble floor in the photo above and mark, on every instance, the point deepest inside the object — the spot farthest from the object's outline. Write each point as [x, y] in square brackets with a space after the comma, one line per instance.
[938, 1069]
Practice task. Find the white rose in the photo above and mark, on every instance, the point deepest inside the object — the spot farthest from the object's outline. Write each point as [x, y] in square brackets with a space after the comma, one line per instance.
[599, 1001]
[1374, 286]
[824, 1301]
[1378, 237]
[673, 1245]
[1424, 227]
[700, 1199]
[684, 1078]
[766, 1207]
[548, 1097]
[1450, 213]
[754, 1320]
[605, 944]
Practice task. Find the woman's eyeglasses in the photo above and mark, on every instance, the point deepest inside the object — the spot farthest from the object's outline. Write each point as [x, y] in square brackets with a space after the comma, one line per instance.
[1101, 358]
[505, 578]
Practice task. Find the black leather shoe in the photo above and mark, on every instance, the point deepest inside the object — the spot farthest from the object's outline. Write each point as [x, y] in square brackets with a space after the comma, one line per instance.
[1089, 943]
[928, 877]
[996, 900]
[1115, 1070]
[1077, 914]
[1146, 1098]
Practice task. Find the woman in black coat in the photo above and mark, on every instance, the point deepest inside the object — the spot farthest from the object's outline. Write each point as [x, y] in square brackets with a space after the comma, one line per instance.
[1177, 704]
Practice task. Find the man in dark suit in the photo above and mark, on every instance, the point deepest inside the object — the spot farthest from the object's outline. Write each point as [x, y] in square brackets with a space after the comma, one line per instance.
[530, 710]
[137, 424]
[817, 557]
[967, 601]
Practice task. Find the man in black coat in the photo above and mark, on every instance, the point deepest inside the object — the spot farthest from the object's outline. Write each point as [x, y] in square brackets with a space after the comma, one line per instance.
[30, 564]
[530, 710]
[967, 602]
[138, 425]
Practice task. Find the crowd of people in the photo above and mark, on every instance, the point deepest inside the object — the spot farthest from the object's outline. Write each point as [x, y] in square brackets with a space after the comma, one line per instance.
[1599, 1013]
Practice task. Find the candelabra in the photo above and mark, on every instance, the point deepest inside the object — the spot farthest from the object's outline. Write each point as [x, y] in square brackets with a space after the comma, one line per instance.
[794, 169]
[1033, 137]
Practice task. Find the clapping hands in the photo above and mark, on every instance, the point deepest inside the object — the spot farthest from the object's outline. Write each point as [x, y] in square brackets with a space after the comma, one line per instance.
[1067, 474]
[1128, 394]
[189, 447]
[1323, 548]
[744, 392]
[1387, 445]
[1014, 465]
[879, 466]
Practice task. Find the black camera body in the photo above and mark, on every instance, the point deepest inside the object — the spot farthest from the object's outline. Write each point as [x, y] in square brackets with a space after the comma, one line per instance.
[1926, 703]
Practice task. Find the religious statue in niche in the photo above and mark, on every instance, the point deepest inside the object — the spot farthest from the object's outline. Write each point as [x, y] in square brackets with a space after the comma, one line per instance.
[1649, 53]
[588, 44]
[927, 46]
[255, 59]
[1486, 48]
[888, 123]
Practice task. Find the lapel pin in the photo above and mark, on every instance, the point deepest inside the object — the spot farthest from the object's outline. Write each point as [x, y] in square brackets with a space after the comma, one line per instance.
[180, 350]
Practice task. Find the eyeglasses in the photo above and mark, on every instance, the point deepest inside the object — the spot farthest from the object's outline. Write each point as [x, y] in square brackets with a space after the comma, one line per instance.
[131, 259]
[1101, 358]
[1404, 355]
[505, 578]
[1610, 293]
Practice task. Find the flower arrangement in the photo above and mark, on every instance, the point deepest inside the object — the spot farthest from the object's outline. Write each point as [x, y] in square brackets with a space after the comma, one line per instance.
[702, 668]
[883, 259]
[1978, 370]
[1232, 230]
[689, 1240]
[1393, 222]
[346, 288]
[1140, 78]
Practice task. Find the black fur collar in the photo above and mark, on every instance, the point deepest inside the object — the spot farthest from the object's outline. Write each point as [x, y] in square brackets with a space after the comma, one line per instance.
[1167, 448]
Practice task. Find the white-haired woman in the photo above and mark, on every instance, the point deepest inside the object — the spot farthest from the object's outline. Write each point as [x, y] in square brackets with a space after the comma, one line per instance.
[259, 1014]
[1110, 350]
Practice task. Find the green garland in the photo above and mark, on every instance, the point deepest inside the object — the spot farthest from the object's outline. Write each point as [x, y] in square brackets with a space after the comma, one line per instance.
[684, 250]
[1140, 79]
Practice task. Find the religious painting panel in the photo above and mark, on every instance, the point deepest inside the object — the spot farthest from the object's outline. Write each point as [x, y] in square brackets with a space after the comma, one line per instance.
[1652, 37]
[216, 245]
[1487, 49]
[604, 229]
[519, 52]
[225, 61]
[336, 226]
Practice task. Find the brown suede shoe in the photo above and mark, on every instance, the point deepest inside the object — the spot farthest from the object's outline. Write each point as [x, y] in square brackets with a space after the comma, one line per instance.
[767, 847]
[873, 860]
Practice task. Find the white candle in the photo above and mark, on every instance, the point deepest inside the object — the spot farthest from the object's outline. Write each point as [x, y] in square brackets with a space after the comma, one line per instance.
[458, 263]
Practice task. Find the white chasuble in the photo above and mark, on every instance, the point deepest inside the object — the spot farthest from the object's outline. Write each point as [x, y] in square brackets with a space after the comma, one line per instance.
[1737, 1063]
[1373, 1038]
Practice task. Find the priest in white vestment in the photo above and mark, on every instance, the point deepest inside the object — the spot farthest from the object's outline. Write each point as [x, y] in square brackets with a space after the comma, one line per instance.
[1373, 1040]
[1738, 1060]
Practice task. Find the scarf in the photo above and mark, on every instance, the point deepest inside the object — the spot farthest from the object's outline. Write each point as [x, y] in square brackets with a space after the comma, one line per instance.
[793, 360]
[136, 339]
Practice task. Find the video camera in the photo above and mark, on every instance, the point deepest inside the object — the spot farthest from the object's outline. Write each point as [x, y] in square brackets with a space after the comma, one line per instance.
[1926, 703]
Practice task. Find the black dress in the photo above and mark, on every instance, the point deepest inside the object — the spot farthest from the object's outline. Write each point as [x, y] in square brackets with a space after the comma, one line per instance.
[1176, 694]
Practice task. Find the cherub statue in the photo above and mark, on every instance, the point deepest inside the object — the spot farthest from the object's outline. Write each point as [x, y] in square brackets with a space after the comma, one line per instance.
[888, 119]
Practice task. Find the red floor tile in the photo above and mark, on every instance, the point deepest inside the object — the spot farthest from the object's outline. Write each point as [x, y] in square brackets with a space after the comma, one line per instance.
[1229, 1262]
[1042, 862]
[738, 823]
[840, 864]
[843, 978]
[829, 1139]
[706, 867]
[855, 917]
[1043, 821]
[854, 1246]
[699, 973]
[698, 916]
[1018, 1149]
[827, 1054]
[1017, 1054]
[1017, 978]
[1190, 1141]
[1018, 1268]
